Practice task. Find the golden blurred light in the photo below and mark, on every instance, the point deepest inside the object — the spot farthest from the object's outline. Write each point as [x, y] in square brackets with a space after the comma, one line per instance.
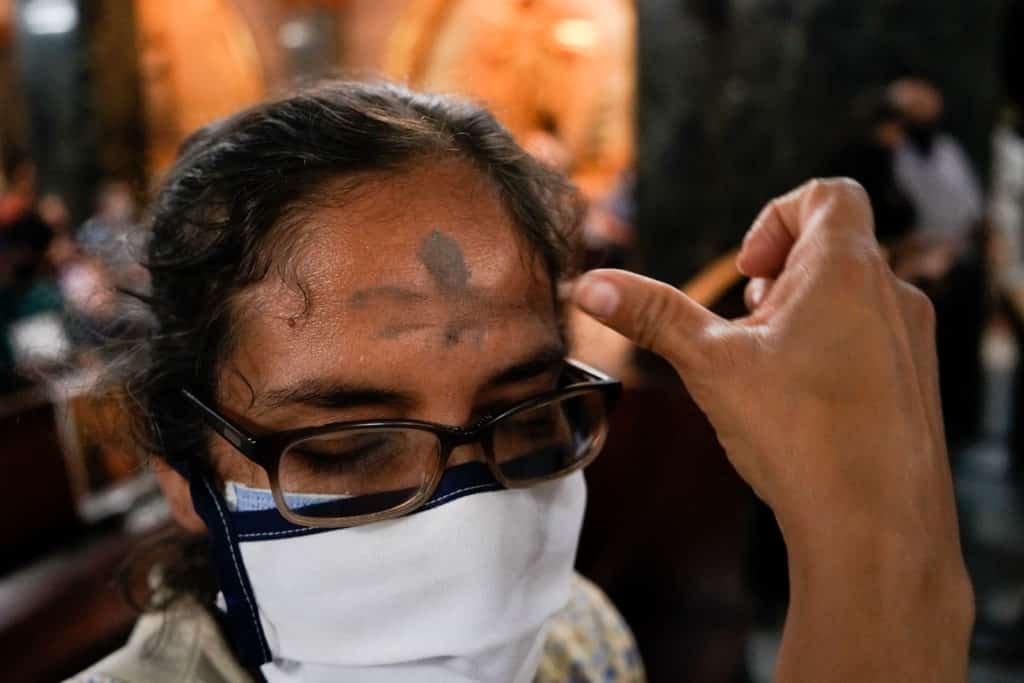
[576, 34]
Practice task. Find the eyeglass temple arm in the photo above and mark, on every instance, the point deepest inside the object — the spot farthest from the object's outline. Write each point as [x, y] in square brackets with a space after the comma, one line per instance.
[235, 435]
[590, 370]
[613, 386]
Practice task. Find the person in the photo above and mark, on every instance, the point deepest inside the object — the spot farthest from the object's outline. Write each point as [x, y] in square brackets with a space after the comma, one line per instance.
[933, 169]
[1007, 211]
[30, 300]
[19, 197]
[943, 254]
[357, 386]
[105, 258]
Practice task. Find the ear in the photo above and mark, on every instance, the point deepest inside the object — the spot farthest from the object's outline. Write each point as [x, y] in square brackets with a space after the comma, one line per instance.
[178, 496]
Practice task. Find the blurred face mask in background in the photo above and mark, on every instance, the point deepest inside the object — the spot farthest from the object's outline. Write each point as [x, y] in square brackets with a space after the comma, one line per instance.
[921, 135]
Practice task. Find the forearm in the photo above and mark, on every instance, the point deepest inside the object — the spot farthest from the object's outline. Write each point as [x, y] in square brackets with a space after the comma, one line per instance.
[875, 610]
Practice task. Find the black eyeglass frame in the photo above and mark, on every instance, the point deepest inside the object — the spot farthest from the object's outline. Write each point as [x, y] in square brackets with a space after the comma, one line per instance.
[268, 449]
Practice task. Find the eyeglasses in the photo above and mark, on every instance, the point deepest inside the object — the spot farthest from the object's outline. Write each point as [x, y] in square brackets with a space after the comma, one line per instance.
[350, 473]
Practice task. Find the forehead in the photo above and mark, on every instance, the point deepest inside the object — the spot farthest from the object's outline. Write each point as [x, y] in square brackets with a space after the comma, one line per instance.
[423, 266]
[419, 228]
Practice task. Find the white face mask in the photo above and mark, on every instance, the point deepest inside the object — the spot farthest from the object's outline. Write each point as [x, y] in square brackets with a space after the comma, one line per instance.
[459, 591]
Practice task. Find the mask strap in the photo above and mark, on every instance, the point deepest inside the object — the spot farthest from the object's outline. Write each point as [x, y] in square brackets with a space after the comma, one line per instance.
[243, 623]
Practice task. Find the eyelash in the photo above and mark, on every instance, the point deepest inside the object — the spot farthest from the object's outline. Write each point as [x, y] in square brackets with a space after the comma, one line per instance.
[325, 463]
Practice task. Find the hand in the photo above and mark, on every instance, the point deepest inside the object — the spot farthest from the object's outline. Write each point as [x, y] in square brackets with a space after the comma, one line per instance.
[825, 399]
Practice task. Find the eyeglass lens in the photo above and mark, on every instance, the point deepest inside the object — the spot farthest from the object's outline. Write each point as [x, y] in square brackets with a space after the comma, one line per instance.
[357, 472]
[372, 470]
[539, 442]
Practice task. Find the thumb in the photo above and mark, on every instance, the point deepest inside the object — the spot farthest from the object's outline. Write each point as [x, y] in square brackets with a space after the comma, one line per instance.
[652, 314]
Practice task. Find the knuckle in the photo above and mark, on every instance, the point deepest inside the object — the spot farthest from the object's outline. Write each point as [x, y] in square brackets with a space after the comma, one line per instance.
[848, 205]
[850, 188]
[856, 198]
[843, 195]
[849, 194]
[815, 189]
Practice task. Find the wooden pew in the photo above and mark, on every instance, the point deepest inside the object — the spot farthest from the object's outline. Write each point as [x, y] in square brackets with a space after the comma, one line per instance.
[37, 507]
[60, 608]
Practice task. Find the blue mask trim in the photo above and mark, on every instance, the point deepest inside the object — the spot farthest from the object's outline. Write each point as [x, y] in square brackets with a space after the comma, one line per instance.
[242, 623]
[461, 480]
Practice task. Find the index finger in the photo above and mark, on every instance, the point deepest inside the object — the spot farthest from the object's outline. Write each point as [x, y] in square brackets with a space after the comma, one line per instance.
[839, 206]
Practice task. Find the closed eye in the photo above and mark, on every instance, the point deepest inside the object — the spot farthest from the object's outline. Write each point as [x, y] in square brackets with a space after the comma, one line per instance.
[346, 451]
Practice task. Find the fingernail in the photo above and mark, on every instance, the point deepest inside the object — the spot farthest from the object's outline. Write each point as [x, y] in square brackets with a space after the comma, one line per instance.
[598, 297]
[757, 288]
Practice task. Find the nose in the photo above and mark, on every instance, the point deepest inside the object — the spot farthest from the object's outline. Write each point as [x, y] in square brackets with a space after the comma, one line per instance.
[469, 452]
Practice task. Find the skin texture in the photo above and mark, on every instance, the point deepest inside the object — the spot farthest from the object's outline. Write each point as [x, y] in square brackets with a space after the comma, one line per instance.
[372, 297]
[825, 399]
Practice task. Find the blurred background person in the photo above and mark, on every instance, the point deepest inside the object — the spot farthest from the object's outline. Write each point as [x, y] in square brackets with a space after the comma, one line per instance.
[944, 253]
[934, 171]
[108, 248]
[1007, 208]
[28, 292]
[18, 195]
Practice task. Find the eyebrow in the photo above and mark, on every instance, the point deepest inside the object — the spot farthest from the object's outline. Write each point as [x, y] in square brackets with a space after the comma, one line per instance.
[333, 395]
[547, 359]
[336, 395]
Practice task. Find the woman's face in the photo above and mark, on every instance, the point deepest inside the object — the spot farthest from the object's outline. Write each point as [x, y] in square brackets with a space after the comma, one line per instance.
[416, 297]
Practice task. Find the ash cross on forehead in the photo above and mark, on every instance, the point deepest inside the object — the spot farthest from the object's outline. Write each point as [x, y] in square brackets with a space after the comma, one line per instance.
[443, 259]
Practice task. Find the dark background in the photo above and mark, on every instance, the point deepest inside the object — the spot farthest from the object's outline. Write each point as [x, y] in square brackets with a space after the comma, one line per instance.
[740, 100]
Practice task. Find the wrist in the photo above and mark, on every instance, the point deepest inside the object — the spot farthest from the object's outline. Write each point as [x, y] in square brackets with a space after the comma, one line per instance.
[894, 573]
[902, 605]
[899, 561]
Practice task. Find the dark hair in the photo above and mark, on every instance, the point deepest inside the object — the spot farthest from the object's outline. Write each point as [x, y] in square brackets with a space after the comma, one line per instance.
[241, 186]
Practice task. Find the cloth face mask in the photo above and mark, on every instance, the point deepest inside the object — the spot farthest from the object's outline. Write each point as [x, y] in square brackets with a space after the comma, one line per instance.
[459, 591]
